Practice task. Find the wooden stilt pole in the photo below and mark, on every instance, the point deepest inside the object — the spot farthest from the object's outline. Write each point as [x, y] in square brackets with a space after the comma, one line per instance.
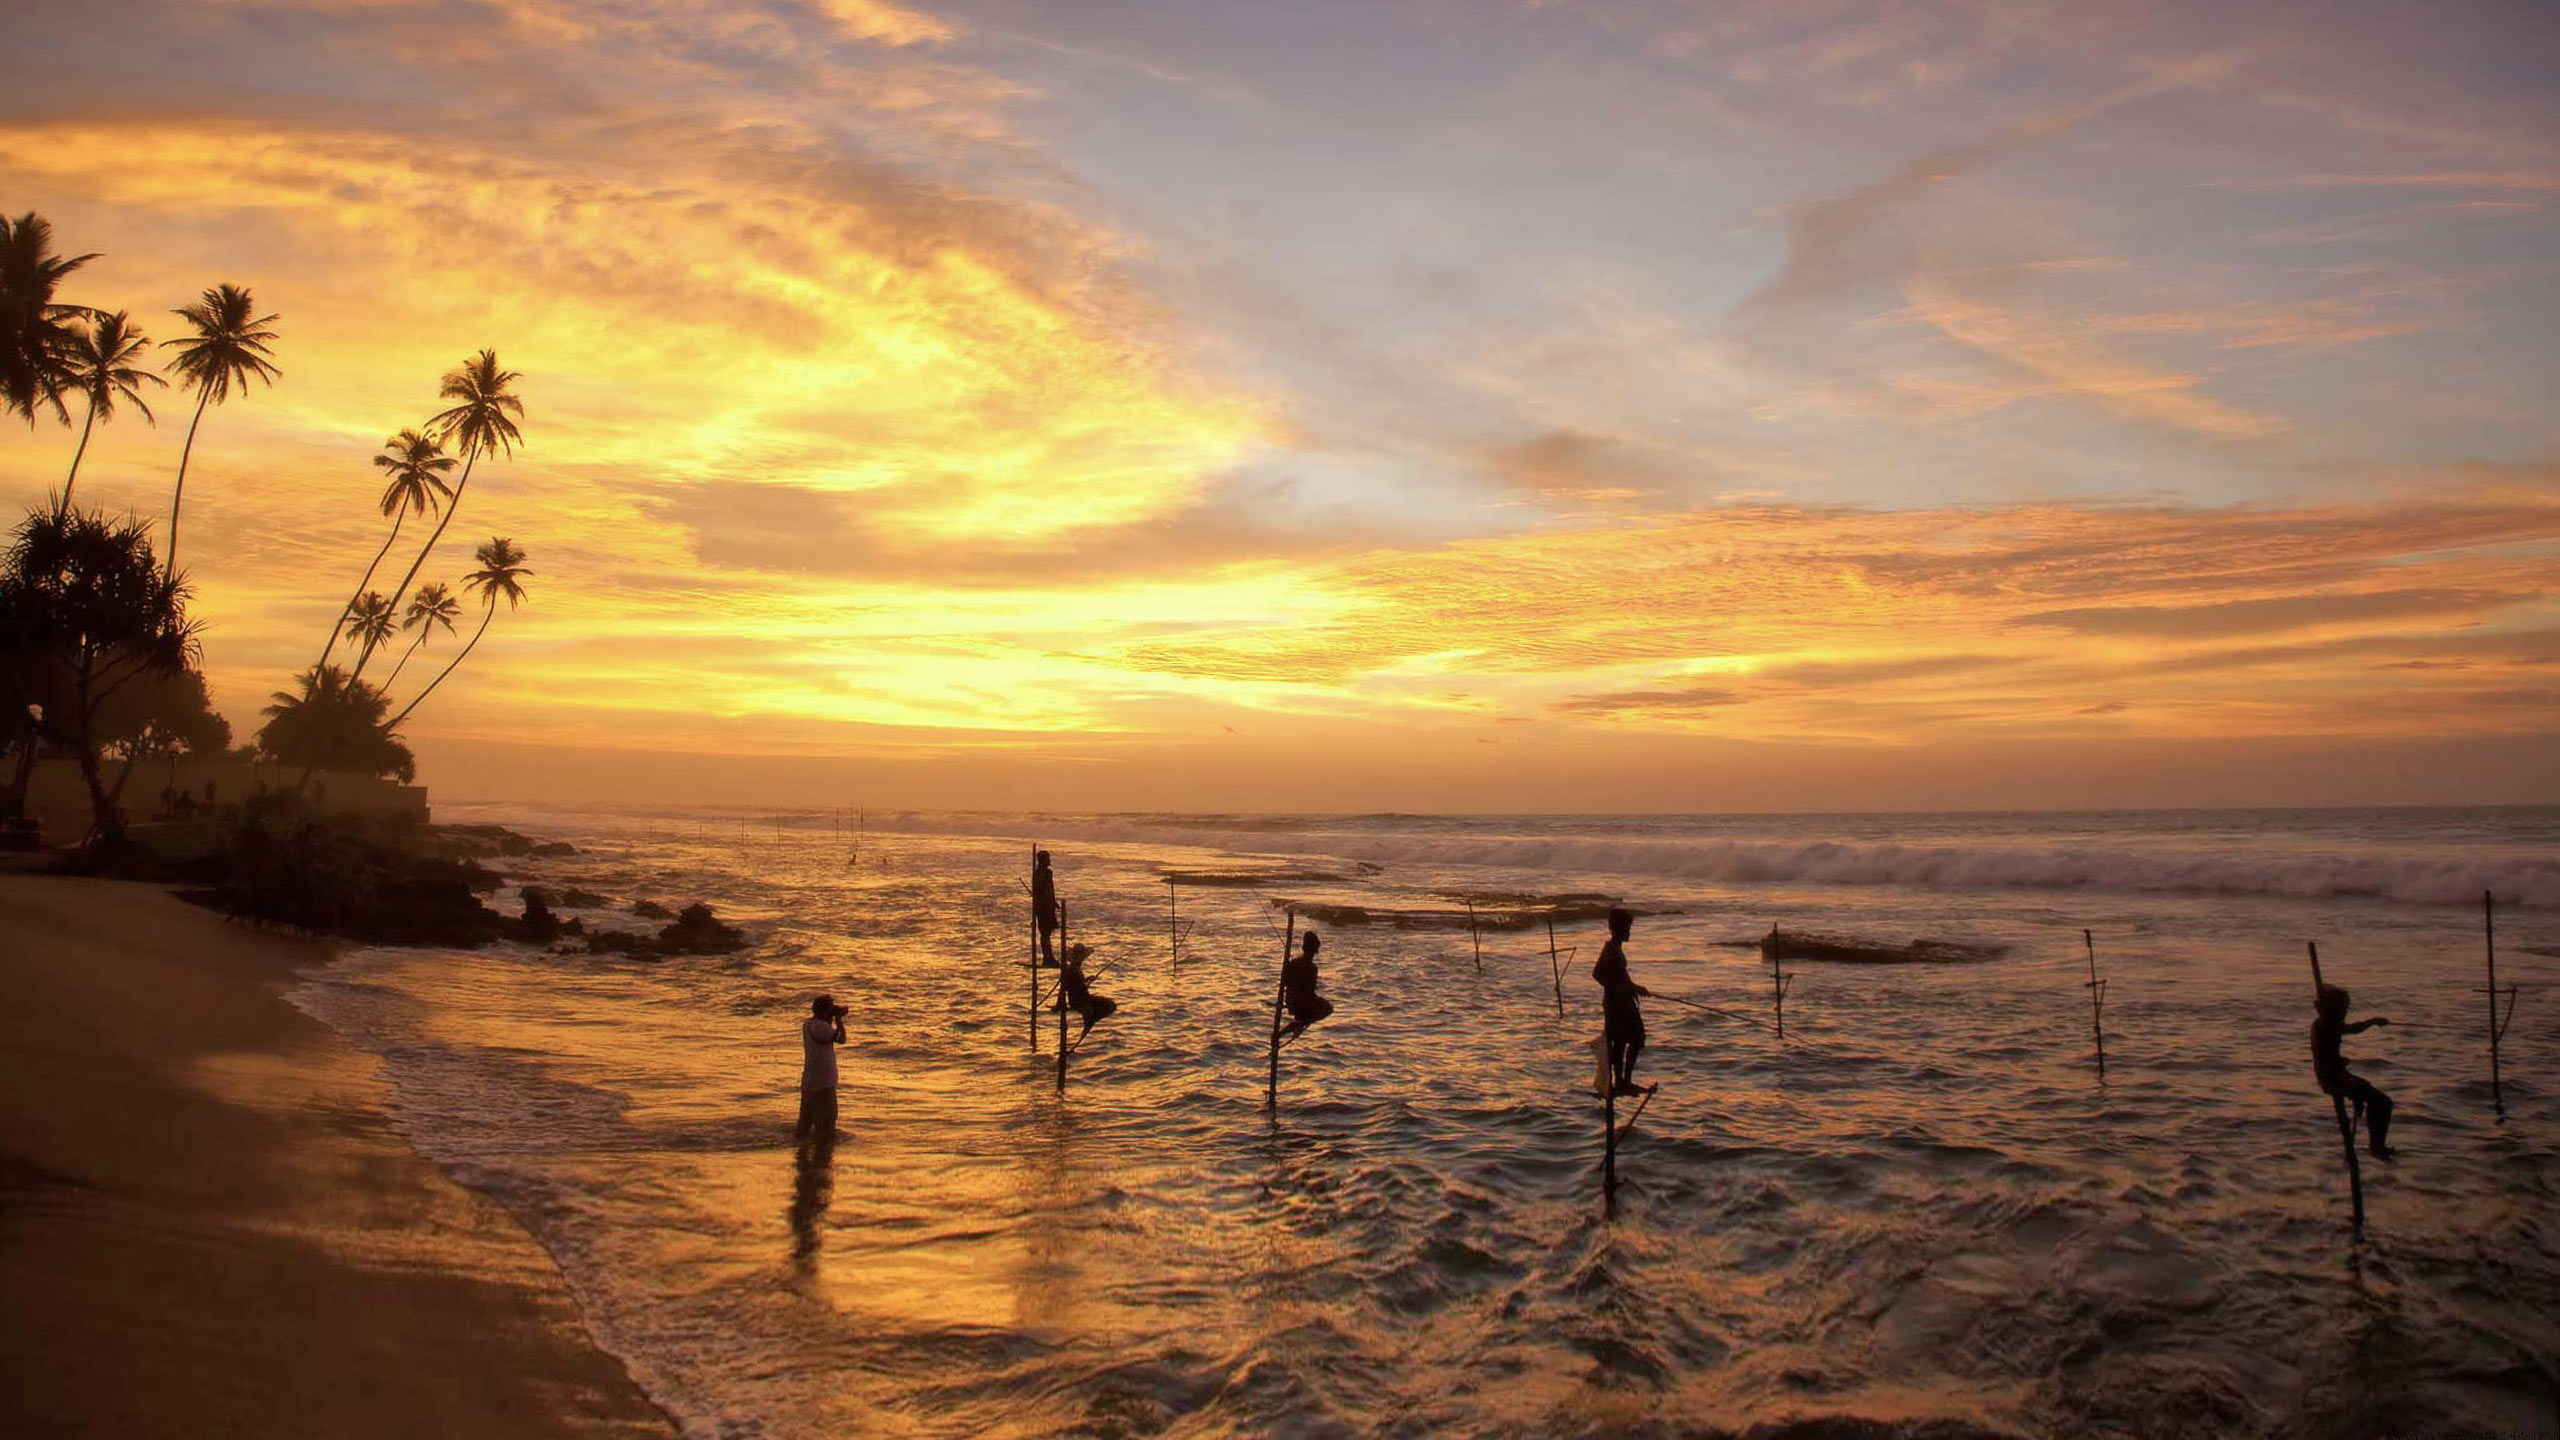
[1609, 1141]
[1555, 965]
[2338, 1103]
[1473, 938]
[1062, 997]
[1035, 949]
[1779, 980]
[2097, 1002]
[1172, 923]
[1280, 992]
[2489, 938]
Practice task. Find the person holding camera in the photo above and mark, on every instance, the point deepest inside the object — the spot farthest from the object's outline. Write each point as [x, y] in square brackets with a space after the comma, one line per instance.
[820, 1034]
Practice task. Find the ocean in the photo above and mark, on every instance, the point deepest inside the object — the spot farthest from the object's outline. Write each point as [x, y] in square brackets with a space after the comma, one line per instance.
[1924, 1211]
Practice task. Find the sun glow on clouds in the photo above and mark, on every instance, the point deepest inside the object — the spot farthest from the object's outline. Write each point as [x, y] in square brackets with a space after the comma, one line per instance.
[863, 422]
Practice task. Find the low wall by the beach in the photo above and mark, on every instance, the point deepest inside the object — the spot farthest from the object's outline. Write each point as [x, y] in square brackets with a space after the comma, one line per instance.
[58, 800]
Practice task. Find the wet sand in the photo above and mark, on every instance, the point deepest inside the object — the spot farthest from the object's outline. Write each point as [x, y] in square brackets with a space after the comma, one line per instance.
[208, 1225]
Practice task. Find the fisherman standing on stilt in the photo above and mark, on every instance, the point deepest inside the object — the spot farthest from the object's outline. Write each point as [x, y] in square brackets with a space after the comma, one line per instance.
[1622, 1020]
[1044, 906]
[1298, 988]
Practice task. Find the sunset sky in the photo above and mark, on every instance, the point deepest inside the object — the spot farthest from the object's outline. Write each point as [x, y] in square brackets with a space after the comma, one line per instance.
[1575, 404]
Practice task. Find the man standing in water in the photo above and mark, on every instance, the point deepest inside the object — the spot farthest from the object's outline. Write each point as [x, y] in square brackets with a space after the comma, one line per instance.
[1298, 987]
[1622, 1022]
[2329, 1063]
[1044, 905]
[820, 1034]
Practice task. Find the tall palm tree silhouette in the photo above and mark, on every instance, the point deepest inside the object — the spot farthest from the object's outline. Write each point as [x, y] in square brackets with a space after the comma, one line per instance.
[416, 464]
[501, 572]
[102, 368]
[371, 619]
[432, 606]
[35, 330]
[229, 348]
[480, 420]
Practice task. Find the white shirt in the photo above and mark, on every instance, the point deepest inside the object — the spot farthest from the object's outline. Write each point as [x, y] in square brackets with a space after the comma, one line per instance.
[818, 1054]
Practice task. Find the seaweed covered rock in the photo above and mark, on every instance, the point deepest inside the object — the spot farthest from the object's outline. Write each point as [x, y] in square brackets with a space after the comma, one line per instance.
[577, 899]
[698, 932]
[278, 867]
[540, 925]
[623, 942]
[652, 910]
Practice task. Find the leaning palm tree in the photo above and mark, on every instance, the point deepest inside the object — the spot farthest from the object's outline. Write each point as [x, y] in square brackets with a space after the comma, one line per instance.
[432, 606]
[102, 368]
[36, 334]
[371, 620]
[501, 572]
[416, 464]
[229, 348]
[480, 422]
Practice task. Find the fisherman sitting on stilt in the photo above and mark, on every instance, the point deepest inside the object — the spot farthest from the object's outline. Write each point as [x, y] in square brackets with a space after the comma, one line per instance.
[2329, 1063]
[1622, 1021]
[1081, 1000]
[1298, 988]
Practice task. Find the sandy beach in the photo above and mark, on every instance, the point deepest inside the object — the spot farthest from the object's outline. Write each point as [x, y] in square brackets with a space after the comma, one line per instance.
[208, 1225]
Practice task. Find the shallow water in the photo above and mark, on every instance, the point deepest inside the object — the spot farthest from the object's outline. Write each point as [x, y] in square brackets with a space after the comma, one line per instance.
[1923, 1212]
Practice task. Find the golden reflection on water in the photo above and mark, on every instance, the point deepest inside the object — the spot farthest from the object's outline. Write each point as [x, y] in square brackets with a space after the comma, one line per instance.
[1924, 1205]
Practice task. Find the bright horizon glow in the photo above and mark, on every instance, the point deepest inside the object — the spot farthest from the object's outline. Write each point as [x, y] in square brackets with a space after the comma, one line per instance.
[1589, 405]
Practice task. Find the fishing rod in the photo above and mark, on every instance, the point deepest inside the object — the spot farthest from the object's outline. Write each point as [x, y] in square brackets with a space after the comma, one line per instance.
[1710, 1009]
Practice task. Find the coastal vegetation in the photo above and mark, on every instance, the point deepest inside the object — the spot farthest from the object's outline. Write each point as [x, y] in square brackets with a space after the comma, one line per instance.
[94, 640]
[227, 350]
[502, 572]
[415, 464]
[103, 366]
[100, 659]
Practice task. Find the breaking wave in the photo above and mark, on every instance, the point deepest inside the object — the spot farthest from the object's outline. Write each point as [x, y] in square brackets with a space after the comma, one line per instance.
[2404, 878]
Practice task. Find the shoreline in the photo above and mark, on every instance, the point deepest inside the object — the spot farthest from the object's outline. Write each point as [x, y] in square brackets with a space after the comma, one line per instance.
[209, 1225]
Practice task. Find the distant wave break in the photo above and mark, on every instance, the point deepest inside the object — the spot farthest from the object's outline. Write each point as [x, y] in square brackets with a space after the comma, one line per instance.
[2432, 879]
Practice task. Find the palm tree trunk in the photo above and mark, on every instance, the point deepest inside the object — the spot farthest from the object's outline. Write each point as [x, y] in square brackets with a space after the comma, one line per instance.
[424, 551]
[486, 616]
[74, 477]
[106, 826]
[178, 496]
[398, 518]
[387, 680]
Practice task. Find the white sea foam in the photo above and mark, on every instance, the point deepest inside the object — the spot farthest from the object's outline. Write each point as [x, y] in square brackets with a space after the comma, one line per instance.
[2404, 877]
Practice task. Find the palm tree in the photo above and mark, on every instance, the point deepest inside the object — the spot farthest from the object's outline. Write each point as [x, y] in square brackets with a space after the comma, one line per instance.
[229, 348]
[102, 368]
[334, 723]
[501, 572]
[416, 464]
[432, 606]
[371, 619]
[480, 421]
[35, 332]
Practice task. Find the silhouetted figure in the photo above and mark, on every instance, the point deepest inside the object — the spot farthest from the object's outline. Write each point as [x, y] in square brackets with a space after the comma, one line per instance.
[813, 1187]
[1298, 987]
[1622, 1021]
[1044, 905]
[1081, 1000]
[2330, 1065]
[820, 1034]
